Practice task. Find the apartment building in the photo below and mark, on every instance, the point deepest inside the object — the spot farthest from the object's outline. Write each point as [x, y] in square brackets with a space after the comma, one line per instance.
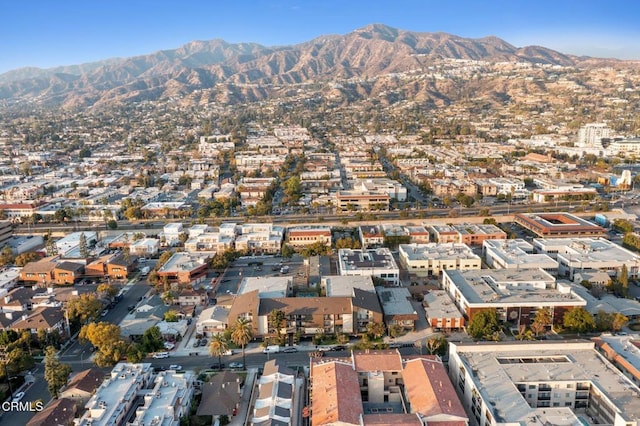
[423, 260]
[185, 268]
[540, 383]
[378, 263]
[382, 387]
[277, 396]
[168, 400]
[113, 401]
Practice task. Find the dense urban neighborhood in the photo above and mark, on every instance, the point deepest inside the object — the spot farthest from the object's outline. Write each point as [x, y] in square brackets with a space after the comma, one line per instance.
[316, 256]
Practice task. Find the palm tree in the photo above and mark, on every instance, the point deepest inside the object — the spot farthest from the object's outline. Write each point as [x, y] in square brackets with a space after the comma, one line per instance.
[241, 334]
[219, 345]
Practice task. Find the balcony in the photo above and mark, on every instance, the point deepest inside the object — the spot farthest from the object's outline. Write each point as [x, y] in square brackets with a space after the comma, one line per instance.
[544, 396]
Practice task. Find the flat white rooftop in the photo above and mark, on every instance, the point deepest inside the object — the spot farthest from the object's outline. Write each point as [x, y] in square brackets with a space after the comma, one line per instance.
[268, 287]
[440, 305]
[523, 287]
[436, 251]
[586, 250]
[499, 367]
[342, 285]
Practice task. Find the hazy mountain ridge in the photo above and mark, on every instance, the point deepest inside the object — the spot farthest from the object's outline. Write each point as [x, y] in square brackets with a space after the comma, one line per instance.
[242, 68]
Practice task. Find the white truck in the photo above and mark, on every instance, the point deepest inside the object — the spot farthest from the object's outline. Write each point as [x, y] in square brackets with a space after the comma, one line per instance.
[145, 271]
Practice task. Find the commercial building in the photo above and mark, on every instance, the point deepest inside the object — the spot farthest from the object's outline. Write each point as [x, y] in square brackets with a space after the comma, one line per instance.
[578, 254]
[558, 225]
[515, 295]
[516, 254]
[431, 259]
[541, 383]
[300, 236]
[357, 200]
[441, 312]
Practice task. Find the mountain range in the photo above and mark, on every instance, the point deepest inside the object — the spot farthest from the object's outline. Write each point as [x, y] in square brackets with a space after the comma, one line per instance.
[217, 71]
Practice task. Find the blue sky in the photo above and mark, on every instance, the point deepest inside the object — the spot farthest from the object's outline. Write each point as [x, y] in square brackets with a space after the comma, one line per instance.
[46, 33]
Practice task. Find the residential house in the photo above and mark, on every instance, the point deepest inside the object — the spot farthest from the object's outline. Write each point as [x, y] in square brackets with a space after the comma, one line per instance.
[82, 385]
[60, 412]
[49, 319]
[221, 395]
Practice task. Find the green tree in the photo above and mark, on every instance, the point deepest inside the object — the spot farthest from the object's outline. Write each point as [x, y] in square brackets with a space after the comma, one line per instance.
[6, 256]
[276, 320]
[28, 257]
[376, 329]
[112, 224]
[623, 225]
[484, 324]
[578, 320]
[107, 290]
[85, 308]
[541, 320]
[82, 246]
[171, 316]
[287, 251]
[106, 337]
[135, 353]
[437, 345]
[218, 346]
[618, 321]
[623, 279]
[241, 334]
[55, 372]
[152, 340]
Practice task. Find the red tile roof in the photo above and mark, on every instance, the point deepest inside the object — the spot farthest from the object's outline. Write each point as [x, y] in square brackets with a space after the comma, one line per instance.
[335, 394]
[429, 389]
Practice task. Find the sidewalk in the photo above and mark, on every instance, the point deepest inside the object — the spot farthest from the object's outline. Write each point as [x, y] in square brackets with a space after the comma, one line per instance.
[245, 399]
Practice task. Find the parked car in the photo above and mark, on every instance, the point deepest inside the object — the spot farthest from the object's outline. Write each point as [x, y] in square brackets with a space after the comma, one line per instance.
[339, 348]
[236, 365]
[18, 397]
[289, 350]
[196, 343]
[160, 355]
[217, 366]
[175, 367]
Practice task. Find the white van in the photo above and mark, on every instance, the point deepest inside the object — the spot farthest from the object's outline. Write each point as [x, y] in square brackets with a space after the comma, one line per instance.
[160, 355]
[271, 349]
